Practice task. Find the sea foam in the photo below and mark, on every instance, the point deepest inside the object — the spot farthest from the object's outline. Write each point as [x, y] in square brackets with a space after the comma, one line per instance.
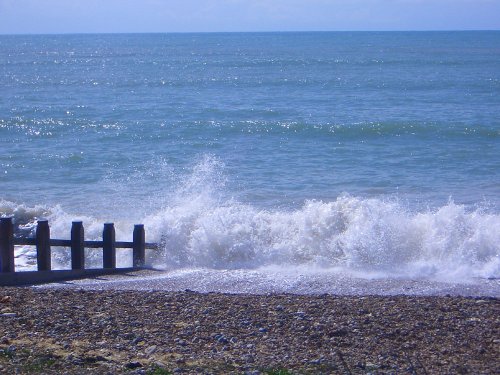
[198, 226]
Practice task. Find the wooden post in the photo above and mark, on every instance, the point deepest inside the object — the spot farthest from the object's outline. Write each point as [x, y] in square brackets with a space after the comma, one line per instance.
[6, 245]
[109, 247]
[77, 248]
[43, 245]
[139, 246]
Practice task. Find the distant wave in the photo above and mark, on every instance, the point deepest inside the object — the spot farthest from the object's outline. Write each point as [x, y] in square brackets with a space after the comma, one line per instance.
[48, 127]
[367, 129]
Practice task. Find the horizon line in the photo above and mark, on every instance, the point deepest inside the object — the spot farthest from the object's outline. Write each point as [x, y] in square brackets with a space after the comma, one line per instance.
[248, 32]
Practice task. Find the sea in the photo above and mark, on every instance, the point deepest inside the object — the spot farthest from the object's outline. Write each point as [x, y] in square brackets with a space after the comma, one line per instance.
[265, 158]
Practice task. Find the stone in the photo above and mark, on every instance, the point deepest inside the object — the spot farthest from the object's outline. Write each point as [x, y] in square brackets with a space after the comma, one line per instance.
[5, 299]
[221, 339]
[370, 366]
[133, 365]
[137, 340]
[150, 350]
[339, 332]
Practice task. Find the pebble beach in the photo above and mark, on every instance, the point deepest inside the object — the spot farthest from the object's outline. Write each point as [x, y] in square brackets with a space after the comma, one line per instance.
[75, 331]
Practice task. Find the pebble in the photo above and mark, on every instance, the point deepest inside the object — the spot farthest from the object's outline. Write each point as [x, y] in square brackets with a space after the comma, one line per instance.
[5, 299]
[339, 332]
[150, 350]
[221, 339]
[370, 366]
[133, 365]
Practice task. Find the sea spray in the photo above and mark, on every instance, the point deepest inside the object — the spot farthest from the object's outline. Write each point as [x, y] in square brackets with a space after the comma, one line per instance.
[200, 225]
[360, 235]
[25, 220]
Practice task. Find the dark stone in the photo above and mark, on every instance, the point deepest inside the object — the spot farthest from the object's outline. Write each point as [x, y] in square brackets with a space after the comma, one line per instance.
[339, 332]
[133, 365]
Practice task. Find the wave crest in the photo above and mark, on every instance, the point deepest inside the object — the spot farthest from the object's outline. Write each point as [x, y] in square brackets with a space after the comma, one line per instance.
[369, 235]
[199, 227]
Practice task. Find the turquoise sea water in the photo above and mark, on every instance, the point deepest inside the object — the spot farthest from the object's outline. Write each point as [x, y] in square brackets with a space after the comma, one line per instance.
[360, 150]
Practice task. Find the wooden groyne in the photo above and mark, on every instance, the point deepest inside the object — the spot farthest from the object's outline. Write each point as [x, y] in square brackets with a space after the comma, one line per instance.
[77, 244]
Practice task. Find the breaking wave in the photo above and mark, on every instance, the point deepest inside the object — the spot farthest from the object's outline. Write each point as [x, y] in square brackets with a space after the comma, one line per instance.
[200, 228]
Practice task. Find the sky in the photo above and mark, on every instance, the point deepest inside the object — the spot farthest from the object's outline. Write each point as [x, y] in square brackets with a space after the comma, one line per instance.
[119, 16]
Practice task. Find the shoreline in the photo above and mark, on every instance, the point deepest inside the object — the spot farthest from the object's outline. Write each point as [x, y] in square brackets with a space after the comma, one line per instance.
[82, 331]
[280, 281]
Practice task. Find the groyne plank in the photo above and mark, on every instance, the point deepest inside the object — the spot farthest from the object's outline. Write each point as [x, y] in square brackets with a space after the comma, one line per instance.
[42, 277]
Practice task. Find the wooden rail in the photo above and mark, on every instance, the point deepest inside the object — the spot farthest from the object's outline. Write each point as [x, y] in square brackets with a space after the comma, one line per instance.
[43, 244]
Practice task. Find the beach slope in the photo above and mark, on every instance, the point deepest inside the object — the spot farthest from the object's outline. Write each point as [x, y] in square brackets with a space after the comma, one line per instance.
[75, 331]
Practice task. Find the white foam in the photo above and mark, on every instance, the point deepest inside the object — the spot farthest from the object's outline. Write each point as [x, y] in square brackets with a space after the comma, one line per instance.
[365, 236]
[372, 238]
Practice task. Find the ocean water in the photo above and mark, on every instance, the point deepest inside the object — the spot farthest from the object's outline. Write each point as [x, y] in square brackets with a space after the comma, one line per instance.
[375, 155]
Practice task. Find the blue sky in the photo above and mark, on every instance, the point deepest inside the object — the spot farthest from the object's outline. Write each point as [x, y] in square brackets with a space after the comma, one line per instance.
[104, 16]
